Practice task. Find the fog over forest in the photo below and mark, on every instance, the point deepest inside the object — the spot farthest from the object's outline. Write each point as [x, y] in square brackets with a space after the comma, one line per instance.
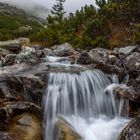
[70, 5]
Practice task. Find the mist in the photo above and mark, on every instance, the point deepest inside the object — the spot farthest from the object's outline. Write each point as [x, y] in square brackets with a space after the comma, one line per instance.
[72, 5]
[35, 7]
[42, 7]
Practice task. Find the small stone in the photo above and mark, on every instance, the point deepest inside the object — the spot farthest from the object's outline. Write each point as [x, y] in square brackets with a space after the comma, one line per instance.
[25, 120]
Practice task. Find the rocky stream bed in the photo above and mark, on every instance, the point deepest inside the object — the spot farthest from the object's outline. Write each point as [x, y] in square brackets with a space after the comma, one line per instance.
[24, 72]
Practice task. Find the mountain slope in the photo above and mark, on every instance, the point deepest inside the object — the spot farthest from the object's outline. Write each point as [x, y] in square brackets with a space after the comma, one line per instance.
[37, 10]
[15, 22]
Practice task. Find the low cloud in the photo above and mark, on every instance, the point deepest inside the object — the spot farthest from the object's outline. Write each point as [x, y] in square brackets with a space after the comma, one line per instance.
[41, 7]
[33, 6]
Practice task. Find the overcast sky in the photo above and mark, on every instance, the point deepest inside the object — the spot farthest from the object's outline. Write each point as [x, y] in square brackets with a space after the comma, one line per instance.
[70, 5]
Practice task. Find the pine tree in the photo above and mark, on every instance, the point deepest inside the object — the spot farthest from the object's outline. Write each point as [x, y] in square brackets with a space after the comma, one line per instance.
[58, 10]
[101, 3]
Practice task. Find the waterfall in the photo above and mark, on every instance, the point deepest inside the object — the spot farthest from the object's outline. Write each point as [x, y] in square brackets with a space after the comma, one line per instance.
[86, 102]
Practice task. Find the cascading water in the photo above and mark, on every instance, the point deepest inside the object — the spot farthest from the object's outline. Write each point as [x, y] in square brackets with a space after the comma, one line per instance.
[82, 99]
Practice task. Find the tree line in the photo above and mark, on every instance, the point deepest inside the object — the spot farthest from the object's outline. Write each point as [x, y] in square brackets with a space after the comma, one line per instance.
[89, 27]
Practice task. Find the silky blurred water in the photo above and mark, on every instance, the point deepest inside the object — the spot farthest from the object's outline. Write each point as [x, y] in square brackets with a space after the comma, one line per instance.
[86, 101]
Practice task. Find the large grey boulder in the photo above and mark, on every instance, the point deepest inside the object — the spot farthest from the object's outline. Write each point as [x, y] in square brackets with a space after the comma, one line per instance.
[126, 50]
[132, 62]
[11, 45]
[23, 82]
[26, 54]
[21, 89]
[23, 85]
[63, 50]
[103, 56]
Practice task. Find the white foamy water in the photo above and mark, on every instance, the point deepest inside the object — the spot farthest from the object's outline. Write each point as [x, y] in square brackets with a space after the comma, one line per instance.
[58, 60]
[100, 128]
[86, 101]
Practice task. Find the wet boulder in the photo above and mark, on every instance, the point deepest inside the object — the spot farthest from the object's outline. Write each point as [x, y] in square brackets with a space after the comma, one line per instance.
[22, 82]
[66, 131]
[27, 88]
[126, 92]
[132, 62]
[132, 98]
[131, 131]
[63, 50]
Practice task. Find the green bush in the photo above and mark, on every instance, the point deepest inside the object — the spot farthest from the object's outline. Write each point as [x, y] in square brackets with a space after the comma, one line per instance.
[91, 27]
